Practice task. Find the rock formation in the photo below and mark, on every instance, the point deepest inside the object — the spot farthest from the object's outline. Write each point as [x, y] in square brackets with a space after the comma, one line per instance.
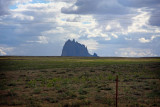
[73, 48]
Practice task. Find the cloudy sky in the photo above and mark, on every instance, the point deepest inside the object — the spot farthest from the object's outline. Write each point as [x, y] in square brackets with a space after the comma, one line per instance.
[128, 28]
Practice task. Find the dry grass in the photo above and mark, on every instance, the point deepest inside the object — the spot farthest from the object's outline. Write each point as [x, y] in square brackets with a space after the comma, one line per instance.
[90, 82]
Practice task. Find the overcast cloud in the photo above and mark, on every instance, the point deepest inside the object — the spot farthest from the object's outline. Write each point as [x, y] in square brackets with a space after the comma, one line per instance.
[109, 28]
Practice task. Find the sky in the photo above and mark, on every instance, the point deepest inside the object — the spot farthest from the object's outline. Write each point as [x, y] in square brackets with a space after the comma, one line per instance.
[122, 28]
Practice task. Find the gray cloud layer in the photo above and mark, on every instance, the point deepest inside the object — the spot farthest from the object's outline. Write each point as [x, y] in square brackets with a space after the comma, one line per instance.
[116, 7]
[96, 7]
[153, 6]
[155, 17]
[139, 3]
[4, 4]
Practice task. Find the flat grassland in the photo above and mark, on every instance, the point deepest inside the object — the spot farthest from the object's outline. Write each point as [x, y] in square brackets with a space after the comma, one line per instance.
[79, 81]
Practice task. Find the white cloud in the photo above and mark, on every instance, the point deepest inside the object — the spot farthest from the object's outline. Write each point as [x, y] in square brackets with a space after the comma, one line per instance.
[73, 36]
[90, 43]
[139, 22]
[43, 39]
[23, 17]
[154, 36]
[94, 32]
[2, 52]
[108, 27]
[143, 40]
[5, 50]
[111, 25]
[83, 22]
[114, 35]
[60, 30]
[134, 52]
[127, 38]
[22, 1]
[105, 36]
[68, 1]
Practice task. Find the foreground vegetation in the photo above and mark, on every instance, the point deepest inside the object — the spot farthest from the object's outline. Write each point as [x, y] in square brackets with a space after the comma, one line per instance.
[78, 81]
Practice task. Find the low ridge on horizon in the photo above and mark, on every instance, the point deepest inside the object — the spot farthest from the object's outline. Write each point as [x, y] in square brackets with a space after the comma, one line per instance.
[73, 48]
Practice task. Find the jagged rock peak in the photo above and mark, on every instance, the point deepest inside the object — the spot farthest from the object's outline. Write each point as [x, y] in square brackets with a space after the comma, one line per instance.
[73, 48]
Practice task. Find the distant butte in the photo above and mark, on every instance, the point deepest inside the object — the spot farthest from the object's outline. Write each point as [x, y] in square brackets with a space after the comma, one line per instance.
[73, 48]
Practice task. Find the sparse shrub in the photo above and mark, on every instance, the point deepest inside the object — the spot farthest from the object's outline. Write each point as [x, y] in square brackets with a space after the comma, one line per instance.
[44, 71]
[127, 80]
[86, 102]
[12, 84]
[104, 100]
[154, 83]
[54, 71]
[86, 74]
[22, 76]
[110, 77]
[138, 80]
[68, 70]
[155, 105]
[51, 100]
[98, 97]
[92, 70]
[37, 91]
[77, 103]
[98, 90]
[103, 69]
[72, 104]
[2, 76]
[62, 96]
[27, 79]
[70, 75]
[60, 90]
[113, 71]
[81, 97]
[106, 88]
[11, 93]
[103, 87]
[146, 88]
[32, 102]
[82, 91]
[15, 103]
[70, 94]
[136, 76]
[4, 102]
[3, 85]
[31, 84]
[154, 93]
[50, 84]
[61, 72]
